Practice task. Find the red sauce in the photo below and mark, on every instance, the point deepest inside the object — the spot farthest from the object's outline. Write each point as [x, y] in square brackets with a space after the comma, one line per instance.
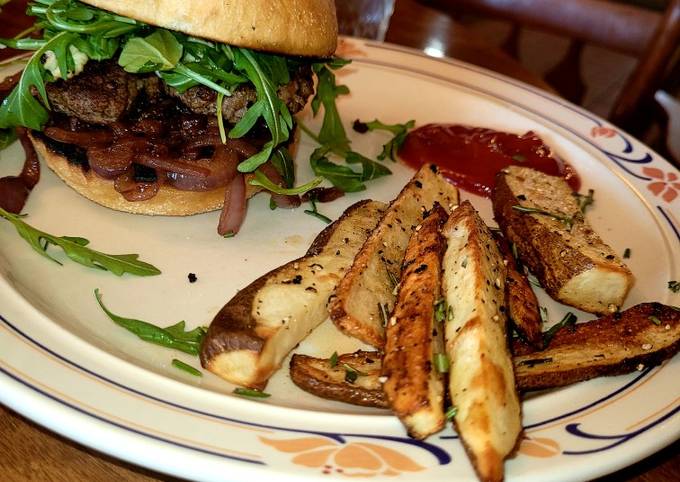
[471, 156]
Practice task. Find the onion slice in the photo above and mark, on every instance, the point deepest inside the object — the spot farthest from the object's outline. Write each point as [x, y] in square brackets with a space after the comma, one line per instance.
[234, 210]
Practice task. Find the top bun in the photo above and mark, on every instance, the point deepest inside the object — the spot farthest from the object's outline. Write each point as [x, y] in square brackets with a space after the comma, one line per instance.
[293, 27]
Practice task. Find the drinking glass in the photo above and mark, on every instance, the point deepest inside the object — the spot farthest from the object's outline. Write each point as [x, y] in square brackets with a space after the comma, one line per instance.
[364, 18]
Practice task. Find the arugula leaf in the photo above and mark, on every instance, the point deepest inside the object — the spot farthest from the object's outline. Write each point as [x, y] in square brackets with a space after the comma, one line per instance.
[20, 108]
[283, 163]
[274, 111]
[369, 169]
[315, 212]
[158, 51]
[170, 337]
[76, 249]
[342, 177]
[332, 130]
[392, 146]
[7, 137]
[260, 179]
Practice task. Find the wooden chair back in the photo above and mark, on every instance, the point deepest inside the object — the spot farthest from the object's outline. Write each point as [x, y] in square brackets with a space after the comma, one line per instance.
[650, 36]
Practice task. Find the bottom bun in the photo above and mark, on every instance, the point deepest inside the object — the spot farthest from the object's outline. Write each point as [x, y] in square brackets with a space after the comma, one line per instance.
[167, 202]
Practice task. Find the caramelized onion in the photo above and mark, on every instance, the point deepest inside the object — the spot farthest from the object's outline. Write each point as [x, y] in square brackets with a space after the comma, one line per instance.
[234, 210]
[30, 173]
[135, 191]
[82, 139]
[14, 190]
[222, 167]
[172, 165]
[111, 162]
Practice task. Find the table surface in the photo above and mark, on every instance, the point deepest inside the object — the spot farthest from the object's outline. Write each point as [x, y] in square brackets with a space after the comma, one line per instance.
[60, 459]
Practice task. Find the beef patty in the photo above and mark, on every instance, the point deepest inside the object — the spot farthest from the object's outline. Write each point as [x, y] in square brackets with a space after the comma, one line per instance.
[104, 93]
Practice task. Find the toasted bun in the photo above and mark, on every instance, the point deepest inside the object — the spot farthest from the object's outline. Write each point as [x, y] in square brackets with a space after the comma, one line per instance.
[168, 202]
[292, 27]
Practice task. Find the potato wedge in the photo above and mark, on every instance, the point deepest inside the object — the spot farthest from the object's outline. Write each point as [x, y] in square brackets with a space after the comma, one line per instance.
[520, 299]
[326, 379]
[612, 345]
[642, 336]
[571, 262]
[414, 388]
[251, 335]
[481, 381]
[368, 287]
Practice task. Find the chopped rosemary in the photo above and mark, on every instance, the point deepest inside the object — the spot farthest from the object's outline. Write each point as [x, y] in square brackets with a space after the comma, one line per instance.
[451, 413]
[567, 220]
[655, 320]
[585, 200]
[441, 362]
[464, 262]
[626, 253]
[568, 320]
[384, 316]
[251, 392]
[333, 361]
[187, 368]
[674, 286]
[543, 311]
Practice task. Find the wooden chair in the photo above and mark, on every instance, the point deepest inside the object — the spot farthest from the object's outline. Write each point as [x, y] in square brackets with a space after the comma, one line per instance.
[653, 37]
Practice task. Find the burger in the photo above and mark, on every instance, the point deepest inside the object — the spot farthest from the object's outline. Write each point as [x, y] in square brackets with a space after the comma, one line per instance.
[171, 107]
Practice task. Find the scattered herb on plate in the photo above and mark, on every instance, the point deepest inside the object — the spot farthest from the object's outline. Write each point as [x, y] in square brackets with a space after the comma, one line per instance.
[173, 336]
[674, 286]
[186, 367]
[569, 320]
[251, 392]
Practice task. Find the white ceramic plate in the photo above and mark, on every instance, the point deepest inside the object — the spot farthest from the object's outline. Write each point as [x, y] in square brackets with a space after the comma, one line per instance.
[66, 366]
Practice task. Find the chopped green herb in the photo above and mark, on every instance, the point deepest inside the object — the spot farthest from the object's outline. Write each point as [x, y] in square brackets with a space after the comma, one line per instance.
[76, 249]
[519, 158]
[567, 220]
[464, 262]
[543, 311]
[351, 373]
[187, 368]
[229, 234]
[440, 310]
[170, 337]
[655, 320]
[451, 413]
[251, 392]
[441, 362]
[333, 361]
[674, 286]
[568, 321]
[626, 253]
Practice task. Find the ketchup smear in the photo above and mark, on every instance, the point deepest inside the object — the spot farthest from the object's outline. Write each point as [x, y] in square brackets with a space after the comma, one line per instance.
[471, 156]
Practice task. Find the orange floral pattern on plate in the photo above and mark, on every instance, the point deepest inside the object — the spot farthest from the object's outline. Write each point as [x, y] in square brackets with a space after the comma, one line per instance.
[541, 447]
[347, 48]
[667, 183]
[353, 459]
